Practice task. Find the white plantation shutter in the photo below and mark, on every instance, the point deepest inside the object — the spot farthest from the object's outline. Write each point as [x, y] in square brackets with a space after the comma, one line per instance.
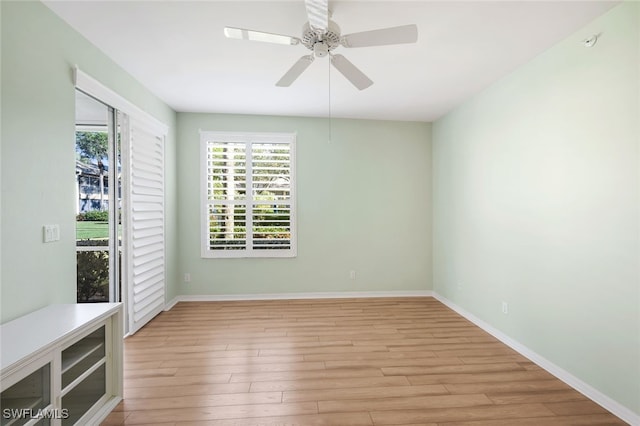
[227, 192]
[248, 195]
[144, 231]
[271, 196]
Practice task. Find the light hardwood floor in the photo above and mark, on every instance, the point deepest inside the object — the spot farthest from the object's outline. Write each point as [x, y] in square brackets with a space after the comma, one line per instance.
[336, 362]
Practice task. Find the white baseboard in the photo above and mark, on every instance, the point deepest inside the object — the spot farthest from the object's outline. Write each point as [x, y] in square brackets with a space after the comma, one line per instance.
[589, 391]
[170, 304]
[290, 296]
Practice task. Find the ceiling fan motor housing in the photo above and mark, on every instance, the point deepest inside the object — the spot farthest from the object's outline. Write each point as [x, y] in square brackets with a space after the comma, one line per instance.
[320, 49]
[321, 43]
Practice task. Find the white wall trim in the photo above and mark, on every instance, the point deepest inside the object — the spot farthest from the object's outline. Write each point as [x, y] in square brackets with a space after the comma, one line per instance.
[589, 391]
[93, 87]
[290, 296]
[171, 303]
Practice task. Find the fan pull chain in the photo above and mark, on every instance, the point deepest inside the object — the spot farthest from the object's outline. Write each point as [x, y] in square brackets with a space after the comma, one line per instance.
[329, 96]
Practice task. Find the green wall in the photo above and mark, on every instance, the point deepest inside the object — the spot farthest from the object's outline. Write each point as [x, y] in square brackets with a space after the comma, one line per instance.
[363, 204]
[536, 203]
[39, 51]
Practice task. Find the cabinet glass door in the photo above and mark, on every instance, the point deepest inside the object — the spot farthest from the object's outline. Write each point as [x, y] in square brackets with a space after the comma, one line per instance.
[28, 398]
[83, 375]
[82, 397]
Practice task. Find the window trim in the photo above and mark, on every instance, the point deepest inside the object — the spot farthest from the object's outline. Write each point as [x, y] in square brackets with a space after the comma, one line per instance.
[248, 138]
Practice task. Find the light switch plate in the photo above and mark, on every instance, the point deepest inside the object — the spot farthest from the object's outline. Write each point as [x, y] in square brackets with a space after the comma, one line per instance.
[51, 233]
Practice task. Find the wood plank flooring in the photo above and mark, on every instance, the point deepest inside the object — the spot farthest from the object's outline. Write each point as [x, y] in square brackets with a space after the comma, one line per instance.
[390, 361]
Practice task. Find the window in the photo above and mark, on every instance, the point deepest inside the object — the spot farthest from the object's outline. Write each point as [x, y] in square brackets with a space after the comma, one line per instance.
[248, 194]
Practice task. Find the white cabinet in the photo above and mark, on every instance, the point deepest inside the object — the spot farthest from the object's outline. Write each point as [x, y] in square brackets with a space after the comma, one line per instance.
[61, 365]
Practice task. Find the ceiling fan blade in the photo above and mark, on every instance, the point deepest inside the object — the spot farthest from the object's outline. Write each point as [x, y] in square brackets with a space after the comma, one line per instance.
[318, 14]
[353, 74]
[295, 71]
[244, 34]
[382, 37]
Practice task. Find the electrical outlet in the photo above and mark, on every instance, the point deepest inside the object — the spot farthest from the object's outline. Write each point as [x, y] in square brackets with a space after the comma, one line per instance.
[187, 277]
[352, 275]
[505, 308]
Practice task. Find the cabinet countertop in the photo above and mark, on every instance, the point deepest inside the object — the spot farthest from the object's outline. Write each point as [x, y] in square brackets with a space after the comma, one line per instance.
[27, 335]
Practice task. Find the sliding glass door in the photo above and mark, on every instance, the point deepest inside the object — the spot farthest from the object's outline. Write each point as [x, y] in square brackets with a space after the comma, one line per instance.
[98, 201]
[120, 196]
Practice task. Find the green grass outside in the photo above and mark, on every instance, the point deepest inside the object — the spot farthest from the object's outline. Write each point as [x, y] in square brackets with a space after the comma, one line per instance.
[86, 230]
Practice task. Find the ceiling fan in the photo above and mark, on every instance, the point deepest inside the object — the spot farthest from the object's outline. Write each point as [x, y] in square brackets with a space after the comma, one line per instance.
[322, 36]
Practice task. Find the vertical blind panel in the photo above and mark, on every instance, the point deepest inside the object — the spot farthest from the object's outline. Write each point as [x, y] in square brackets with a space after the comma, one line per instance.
[147, 265]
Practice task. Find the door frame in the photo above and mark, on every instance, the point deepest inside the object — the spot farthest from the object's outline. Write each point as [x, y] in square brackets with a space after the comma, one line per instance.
[94, 88]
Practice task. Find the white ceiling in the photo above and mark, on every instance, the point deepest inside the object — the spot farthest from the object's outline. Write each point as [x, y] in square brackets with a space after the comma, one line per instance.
[177, 49]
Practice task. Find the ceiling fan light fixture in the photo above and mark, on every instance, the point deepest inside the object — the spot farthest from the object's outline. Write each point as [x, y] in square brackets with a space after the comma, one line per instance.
[320, 50]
